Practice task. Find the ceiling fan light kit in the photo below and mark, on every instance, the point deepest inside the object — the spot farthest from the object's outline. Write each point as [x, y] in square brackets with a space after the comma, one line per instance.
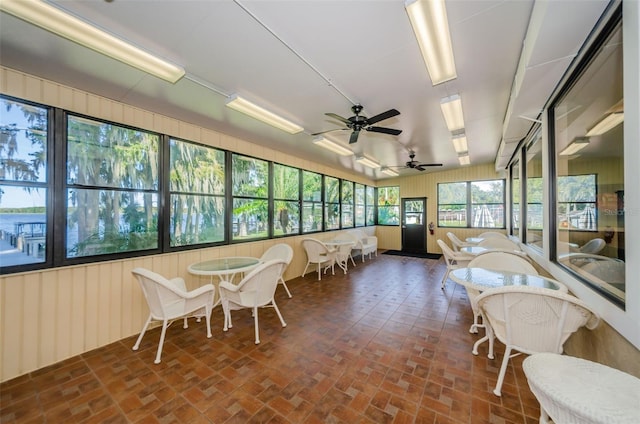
[251, 109]
[67, 26]
[332, 145]
[363, 160]
[431, 26]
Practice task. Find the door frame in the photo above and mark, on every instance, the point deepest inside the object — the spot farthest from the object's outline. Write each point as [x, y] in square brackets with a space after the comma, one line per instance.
[403, 234]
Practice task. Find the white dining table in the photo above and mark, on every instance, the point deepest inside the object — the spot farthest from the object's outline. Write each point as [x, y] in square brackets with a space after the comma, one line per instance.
[474, 240]
[343, 252]
[477, 280]
[473, 250]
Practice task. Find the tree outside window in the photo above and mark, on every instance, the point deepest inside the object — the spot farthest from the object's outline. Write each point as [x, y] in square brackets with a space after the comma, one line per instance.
[389, 205]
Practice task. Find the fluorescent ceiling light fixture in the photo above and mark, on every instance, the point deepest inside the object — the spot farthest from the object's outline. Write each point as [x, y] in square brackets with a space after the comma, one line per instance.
[388, 171]
[251, 109]
[332, 145]
[431, 26]
[452, 110]
[464, 159]
[367, 162]
[460, 143]
[613, 117]
[575, 146]
[58, 22]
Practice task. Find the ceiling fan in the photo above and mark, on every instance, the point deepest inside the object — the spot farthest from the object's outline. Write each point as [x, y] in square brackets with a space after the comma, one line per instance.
[358, 122]
[414, 164]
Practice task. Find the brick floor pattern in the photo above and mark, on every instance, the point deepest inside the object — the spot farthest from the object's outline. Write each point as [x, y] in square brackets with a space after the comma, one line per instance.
[382, 344]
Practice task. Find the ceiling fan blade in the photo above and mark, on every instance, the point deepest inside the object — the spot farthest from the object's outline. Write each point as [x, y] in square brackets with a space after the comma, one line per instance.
[338, 117]
[382, 116]
[335, 129]
[430, 164]
[383, 130]
[418, 167]
[354, 137]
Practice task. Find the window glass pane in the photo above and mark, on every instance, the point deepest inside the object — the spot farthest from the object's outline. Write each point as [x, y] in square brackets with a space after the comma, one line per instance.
[312, 208]
[250, 219]
[370, 205]
[286, 184]
[195, 168]
[332, 190]
[101, 222]
[347, 204]
[286, 219]
[110, 156]
[119, 212]
[23, 142]
[452, 204]
[534, 194]
[23, 225]
[250, 177]
[487, 204]
[196, 179]
[23, 167]
[360, 205]
[589, 162]
[389, 205]
[311, 186]
[515, 199]
[332, 203]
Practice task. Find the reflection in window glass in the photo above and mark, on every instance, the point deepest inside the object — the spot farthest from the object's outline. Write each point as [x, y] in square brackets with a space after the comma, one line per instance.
[360, 205]
[347, 204]
[23, 192]
[311, 202]
[589, 161]
[389, 205]
[332, 203]
[196, 180]
[515, 199]
[286, 192]
[112, 188]
[250, 216]
[370, 205]
[534, 210]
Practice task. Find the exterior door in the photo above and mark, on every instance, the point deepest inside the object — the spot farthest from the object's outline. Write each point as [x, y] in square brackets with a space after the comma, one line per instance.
[414, 235]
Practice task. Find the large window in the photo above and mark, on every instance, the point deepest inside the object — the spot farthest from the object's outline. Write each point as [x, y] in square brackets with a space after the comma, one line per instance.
[311, 202]
[24, 183]
[482, 201]
[111, 188]
[286, 195]
[588, 187]
[250, 217]
[331, 203]
[515, 199]
[389, 205]
[196, 184]
[346, 202]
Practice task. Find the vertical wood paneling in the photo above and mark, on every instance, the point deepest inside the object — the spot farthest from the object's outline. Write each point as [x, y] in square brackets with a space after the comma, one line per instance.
[48, 314]
[63, 323]
[78, 316]
[91, 305]
[114, 317]
[105, 302]
[13, 310]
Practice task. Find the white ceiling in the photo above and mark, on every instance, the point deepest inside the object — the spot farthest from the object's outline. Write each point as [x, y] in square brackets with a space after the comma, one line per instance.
[304, 58]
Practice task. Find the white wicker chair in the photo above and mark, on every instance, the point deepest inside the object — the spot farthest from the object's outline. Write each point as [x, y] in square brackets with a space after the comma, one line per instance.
[574, 390]
[456, 243]
[169, 300]
[319, 254]
[492, 234]
[454, 260]
[256, 290]
[499, 243]
[593, 246]
[500, 261]
[279, 251]
[532, 320]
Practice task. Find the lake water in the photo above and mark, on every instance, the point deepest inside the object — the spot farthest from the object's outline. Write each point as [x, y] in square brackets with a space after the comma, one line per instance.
[7, 220]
